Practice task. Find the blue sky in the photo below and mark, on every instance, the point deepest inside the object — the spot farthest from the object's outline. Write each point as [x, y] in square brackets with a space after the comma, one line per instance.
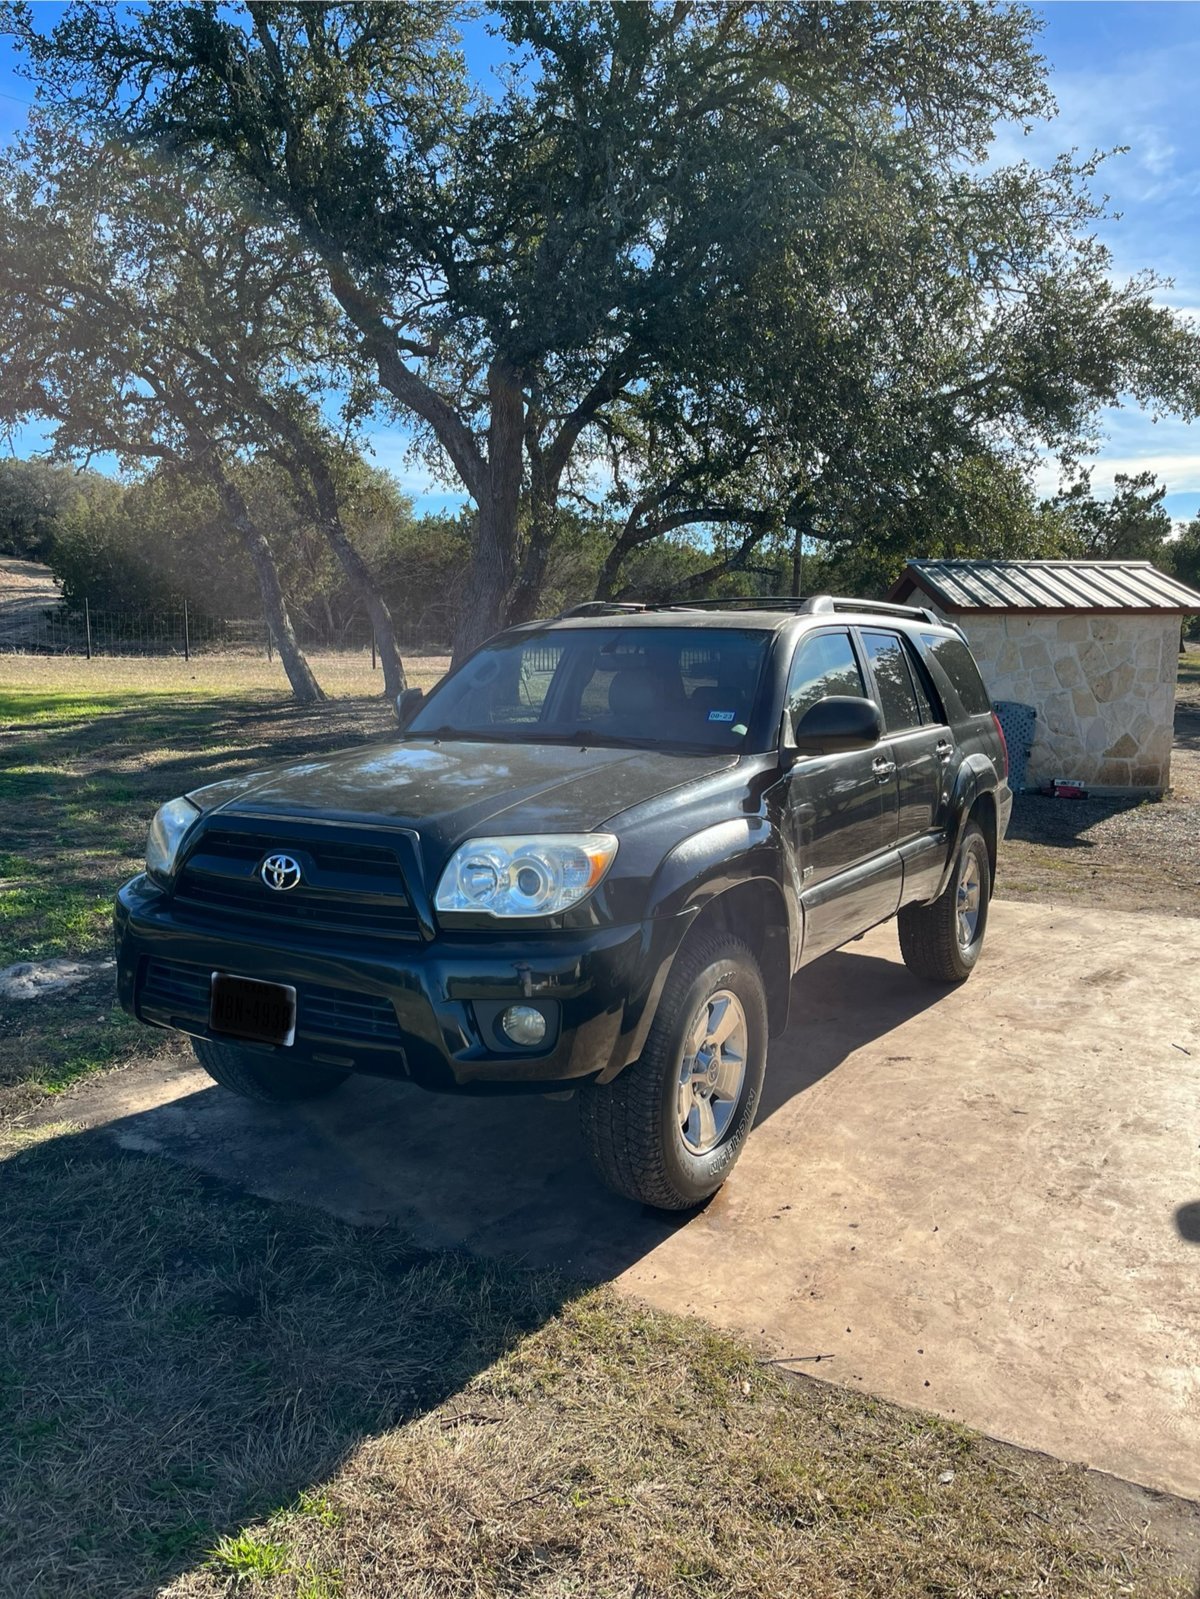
[1123, 74]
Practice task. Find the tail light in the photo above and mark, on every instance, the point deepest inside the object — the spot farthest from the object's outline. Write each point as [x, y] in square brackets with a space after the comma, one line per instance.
[1003, 742]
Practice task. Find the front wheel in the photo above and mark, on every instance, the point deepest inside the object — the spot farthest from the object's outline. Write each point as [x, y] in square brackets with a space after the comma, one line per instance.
[944, 939]
[263, 1077]
[668, 1130]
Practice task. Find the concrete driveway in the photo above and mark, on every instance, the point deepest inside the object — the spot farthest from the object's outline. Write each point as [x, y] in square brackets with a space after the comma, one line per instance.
[983, 1202]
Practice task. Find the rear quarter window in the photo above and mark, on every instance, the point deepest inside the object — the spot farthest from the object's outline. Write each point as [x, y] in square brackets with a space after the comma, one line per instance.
[957, 662]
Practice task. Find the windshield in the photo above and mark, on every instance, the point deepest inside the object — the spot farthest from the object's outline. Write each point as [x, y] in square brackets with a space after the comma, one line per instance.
[669, 688]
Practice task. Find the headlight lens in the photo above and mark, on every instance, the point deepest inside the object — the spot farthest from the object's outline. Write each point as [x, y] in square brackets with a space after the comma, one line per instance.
[171, 822]
[524, 876]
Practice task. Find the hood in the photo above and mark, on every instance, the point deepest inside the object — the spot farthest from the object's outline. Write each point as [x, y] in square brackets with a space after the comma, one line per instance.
[456, 788]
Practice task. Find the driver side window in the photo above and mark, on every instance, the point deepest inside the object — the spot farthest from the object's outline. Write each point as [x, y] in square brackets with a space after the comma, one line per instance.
[823, 665]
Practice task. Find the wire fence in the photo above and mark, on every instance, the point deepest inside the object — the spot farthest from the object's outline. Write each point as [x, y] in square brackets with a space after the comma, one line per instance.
[183, 632]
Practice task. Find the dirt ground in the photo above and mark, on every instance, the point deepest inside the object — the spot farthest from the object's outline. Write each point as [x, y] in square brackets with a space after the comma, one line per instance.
[1141, 855]
[983, 1202]
[26, 590]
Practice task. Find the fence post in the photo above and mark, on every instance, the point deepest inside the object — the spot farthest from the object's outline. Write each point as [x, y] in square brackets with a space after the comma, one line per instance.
[269, 655]
[87, 622]
[372, 649]
[187, 643]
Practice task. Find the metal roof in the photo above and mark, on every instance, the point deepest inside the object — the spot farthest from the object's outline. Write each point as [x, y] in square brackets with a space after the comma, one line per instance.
[1109, 586]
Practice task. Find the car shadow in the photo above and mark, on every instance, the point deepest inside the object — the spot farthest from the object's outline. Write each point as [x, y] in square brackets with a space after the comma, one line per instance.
[364, 1321]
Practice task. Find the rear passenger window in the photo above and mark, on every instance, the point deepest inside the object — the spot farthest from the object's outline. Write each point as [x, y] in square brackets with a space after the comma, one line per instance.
[897, 697]
[823, 665]
[956, 660]
[927, 698]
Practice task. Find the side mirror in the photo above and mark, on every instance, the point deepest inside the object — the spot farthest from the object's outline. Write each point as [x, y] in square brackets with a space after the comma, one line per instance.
[408, 703]
[841, 722]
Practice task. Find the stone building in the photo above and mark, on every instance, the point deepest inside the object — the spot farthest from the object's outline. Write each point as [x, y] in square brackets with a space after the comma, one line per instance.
[1093, 646]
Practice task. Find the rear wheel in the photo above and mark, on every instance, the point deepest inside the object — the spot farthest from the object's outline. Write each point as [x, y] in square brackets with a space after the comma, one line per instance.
[668, 1130]
[944, 939]
[264, 1077]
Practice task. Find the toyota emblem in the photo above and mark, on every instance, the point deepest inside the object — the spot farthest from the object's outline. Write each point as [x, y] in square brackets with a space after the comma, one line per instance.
[280, 871]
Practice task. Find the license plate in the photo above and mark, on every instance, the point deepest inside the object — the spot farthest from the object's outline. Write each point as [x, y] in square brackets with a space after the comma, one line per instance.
[242, 1007]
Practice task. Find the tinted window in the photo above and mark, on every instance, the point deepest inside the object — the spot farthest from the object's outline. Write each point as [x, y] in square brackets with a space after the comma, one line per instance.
[670, 687]
[927, 698]
[823, 665]
[956, 660]
[897, 697]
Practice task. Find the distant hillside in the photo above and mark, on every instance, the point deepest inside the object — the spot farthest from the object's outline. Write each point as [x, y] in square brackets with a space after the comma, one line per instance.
[27, 589]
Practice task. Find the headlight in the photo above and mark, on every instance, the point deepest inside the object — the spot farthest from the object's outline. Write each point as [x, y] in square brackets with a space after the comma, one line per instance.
[171, 822]
[524, 876]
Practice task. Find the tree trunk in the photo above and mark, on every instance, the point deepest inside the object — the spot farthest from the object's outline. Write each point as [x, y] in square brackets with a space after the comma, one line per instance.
[525, 599]
[610, 569]
[301, 456]
[358, 575]
[486, 591]
[305, 688]
[482, 606]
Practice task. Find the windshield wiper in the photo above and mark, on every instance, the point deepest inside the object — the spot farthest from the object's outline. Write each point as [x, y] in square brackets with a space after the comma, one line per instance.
[479, 735]
[583, 736]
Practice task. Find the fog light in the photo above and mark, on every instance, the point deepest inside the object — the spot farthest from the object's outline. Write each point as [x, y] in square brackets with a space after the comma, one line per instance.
[523, 1025]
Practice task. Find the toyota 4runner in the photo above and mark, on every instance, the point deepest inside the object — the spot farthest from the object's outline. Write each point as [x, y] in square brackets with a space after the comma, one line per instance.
[592, 860]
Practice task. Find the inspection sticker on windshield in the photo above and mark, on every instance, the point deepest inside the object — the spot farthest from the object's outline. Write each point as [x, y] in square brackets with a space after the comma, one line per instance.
[721, 716]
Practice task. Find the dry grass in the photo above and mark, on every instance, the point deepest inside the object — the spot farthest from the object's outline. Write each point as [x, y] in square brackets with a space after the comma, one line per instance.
[203, 1395]
[342, 674]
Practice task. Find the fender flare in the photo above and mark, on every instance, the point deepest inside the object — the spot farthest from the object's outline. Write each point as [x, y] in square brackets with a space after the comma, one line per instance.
[976, 776]
[693, 874]
[721, 857]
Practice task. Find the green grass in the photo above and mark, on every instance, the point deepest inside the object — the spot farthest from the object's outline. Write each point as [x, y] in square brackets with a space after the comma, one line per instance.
[250, 1554]
[81, 772]
[204, 1395]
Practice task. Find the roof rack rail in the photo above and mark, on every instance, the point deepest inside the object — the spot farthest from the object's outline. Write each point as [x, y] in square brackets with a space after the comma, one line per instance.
[749, 602]
[603, 608]
[920, 613]
[803, 605]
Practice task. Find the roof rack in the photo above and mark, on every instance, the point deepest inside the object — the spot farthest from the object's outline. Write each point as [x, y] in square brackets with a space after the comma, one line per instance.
[603, 608]
[920, 613]
[803, 605]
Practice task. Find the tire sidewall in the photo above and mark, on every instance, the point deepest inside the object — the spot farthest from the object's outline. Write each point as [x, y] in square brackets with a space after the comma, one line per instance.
[699, 1175]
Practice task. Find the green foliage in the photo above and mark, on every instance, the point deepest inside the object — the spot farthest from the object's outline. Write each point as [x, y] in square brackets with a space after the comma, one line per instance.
[751, 259]
[1185, 555]
[1131, 525]
[36, 498]
[249, 1554]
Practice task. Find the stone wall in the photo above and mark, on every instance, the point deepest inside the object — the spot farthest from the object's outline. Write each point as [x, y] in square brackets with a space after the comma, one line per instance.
[1103, 688]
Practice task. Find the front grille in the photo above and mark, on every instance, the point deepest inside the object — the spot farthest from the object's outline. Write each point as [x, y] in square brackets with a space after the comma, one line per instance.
[183, 992]
[346, 886]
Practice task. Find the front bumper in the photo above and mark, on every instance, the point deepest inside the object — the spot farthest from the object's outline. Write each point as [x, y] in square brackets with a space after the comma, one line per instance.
[420, 1010]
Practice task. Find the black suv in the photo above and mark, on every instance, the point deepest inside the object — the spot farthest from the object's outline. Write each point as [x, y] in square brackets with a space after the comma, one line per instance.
[593, 859]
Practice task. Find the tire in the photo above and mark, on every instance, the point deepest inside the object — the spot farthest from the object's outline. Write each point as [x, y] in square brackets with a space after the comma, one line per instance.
[634, 1127]
[932, 941]
[264, 1078]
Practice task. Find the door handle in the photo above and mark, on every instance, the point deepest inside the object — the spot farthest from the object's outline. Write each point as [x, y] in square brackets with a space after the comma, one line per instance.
[943, 750]
[883, 768]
